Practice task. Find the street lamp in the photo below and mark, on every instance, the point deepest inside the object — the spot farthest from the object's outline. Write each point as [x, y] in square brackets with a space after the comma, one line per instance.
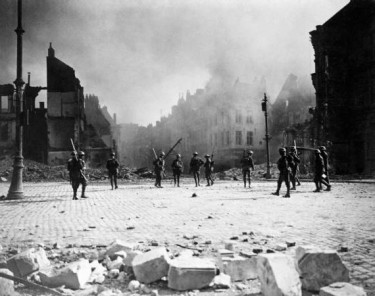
[16, 187]
[264, 109]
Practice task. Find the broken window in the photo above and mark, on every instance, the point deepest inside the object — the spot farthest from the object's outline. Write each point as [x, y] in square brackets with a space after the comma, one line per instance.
[249, 138]
[238, 138]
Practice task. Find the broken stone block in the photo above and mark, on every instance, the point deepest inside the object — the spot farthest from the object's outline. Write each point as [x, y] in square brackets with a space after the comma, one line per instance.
[130, 257]
[229, 245]
[239, 268]
[281, 247]
[342, 289]
[190, 273]
[115, 264]
[73, 276]
[134, 285]
[221, 281]
[6, 286]
[151, 266]
[321, 268]
[226, 253]
[113, 273]
[117, 246]
[27, 262]
[278, 275]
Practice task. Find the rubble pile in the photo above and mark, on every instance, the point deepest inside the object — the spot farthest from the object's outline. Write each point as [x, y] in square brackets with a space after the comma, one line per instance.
[124, 269]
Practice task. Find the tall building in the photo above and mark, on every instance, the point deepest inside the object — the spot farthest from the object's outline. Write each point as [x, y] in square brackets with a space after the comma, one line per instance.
[7, 118]
[344, 80]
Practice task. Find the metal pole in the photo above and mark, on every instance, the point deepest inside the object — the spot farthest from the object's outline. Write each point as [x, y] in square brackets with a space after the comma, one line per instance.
[16, 187]
[268, 174]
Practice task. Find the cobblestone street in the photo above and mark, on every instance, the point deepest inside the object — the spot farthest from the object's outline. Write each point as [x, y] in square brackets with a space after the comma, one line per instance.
[140, 212]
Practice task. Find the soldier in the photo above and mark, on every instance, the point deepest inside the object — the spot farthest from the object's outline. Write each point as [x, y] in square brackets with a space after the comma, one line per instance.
[177, 168]
[324, 154]
[112, 167]
[293, 162]
[319, 171]
[208, 167]
[159, 169]
[195, 166]
[247, 163]
[282, 165]
[76, 167]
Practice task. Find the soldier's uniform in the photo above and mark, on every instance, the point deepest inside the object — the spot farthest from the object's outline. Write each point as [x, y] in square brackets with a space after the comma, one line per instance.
[208, 167]
[247, 163]
[112, 167]
[293, 162]
[324, 154]
[284, 176]
[159, 169]
[76, 167]
[177, 168]
[319, 171]
[195, 166]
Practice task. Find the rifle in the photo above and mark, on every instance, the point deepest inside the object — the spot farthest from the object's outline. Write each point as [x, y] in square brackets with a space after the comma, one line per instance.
[156, 157]
[170, 150]
[74, 149]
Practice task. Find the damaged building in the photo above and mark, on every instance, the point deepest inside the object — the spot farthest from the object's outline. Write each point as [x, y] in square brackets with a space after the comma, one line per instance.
[7, 118]
[344, 79]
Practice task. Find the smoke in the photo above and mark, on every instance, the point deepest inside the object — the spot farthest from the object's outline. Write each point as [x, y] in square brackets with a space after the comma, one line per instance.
[137, 56]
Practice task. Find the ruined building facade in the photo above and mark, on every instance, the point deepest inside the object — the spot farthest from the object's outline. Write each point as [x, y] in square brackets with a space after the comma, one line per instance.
[224, 120]
[344, 80]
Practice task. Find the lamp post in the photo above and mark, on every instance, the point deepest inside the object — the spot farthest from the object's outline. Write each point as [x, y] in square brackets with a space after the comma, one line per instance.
[16, 186]
[264, 109]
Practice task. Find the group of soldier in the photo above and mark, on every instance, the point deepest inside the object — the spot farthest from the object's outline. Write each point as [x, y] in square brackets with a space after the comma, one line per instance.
[287, 165]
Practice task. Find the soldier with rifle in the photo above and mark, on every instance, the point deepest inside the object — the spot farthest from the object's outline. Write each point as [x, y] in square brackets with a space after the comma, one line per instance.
[195, 166]
[324, 154]
[208, 168]
[159, 164]
[319, 172]
[247, 163]
[282, 165]
[76, 167]
[112, 167]
[293, 162]
[177, 168]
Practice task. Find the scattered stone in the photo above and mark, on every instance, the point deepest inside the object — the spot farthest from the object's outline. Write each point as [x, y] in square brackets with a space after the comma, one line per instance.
[134, 285]
[115, 264]
[113, 273]
[257, 250]
[290, 244]
[92, 226]
[154, 293]
[278, 275]
[190, 273]
[241, 286]
[343, 249]
[117, 246]
[3, 180]
[122, 276]
[186, 254]
[6, 286]
[56, 246]
[221, 281]
[27, 262]
[154, 243]
[151, 266]
[239, 268]
[130, 227]
[226, 253]
[244, 233]
[321, 268]
[234, 238]
[281, 247]
[247, 254]
[194, 195]
[130, 257]
[74, 276]
[342, 289]
[229, 245]
[208, 242]
[270, 251]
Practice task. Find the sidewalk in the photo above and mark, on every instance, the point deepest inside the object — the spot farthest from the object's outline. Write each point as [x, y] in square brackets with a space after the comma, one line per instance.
[342, 217]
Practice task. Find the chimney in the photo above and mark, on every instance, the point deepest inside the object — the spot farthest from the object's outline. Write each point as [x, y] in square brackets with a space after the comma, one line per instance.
[51, 51]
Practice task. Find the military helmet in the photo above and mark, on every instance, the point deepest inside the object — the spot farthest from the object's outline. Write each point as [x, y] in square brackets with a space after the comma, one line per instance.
[195, 153]
[322, 148]
[282, 150]
[207, 156]
[81, 153]
[317, 151]
[73, 153]
[162, 153]
[250, 152]
[178, 155]
[113, 154]
[293, 149]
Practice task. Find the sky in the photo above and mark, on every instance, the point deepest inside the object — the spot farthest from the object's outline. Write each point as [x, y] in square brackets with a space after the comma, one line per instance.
[139, 56]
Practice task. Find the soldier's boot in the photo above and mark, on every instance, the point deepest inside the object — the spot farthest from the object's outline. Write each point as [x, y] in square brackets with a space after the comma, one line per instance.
[328, 187]
[212, 182]
[83, 192]
[115, 181]
[298, 182]
[287, 192]
[75, 196]
[317, 187]
[275, 193]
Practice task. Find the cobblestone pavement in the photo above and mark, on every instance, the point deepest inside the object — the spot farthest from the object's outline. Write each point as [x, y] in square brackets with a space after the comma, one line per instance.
[343, 217]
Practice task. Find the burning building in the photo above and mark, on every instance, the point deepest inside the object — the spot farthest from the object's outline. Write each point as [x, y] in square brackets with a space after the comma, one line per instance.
[344, 80]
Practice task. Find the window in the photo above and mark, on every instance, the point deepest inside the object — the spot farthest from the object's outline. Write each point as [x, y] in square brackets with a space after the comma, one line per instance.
[238, 116]
[4, 104]
[249, 138]
[249, 118]
[227, 138]
[238, 138]
[4, 132]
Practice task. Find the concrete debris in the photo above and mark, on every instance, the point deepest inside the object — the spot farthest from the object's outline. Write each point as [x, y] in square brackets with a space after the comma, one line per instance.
[117, 246]
[6, 286]
[290, 244]
[321, 268]
[278, 275]
[190, 273]
[342, 289]
[239, 268]
[27, 262]
[115, 264]
[281, 247]
[113, 273]
[154, 293]
[221, 281]
[229, 245]
[226, 253]
[130, 257]
[151, 266]
[134, 285]
[73, 276]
